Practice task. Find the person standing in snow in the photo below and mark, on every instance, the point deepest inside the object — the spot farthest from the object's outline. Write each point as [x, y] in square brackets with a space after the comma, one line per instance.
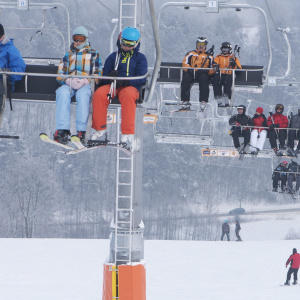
[258, 134]
[294, 261]
[81, 59]
[11, 61]
[225, 230]
[237, 230]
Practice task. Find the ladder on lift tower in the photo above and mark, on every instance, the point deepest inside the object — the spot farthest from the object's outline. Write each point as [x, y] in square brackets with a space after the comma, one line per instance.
[128, 13]
[124, 205]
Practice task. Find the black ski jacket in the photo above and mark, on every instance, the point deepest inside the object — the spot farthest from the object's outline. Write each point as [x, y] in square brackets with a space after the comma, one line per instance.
[242, 119]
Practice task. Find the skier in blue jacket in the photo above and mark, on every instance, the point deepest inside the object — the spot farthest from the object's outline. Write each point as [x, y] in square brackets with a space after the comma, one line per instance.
[131, 63]
[11, 61]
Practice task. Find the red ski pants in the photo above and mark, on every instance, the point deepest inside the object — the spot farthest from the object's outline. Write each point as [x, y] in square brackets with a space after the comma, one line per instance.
[127, 97]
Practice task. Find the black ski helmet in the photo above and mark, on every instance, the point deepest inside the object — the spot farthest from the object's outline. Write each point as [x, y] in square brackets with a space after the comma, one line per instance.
[243, 107]
[201, 40]
[279, 106]
[294, 250]
[226, 48]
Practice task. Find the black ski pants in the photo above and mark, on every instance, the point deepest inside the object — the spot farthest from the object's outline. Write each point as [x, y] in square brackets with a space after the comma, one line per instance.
[292, 134]
[218, 81]
[291, 178]
[187, 82]
[279, 176]
[281, 136]
[240, 133]
[290, 272]
[227, 234]
[237, 233]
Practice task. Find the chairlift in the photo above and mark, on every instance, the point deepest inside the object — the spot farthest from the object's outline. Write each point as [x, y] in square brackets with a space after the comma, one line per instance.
[248, 79]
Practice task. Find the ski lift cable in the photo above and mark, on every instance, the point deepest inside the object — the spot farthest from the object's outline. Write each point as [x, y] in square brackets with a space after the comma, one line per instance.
[107, 8]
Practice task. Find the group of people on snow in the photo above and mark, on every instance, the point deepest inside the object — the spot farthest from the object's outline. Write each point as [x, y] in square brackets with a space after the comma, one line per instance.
[83, 60]
[226, 230]
[200, 66]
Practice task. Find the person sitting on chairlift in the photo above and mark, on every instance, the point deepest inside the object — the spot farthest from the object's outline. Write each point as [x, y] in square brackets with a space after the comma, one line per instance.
[199, 58]
[277, 123]
[293, 134]
[238, 121]
[225, 60]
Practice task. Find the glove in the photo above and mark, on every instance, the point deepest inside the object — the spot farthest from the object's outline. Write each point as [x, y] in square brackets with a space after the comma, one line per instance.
[85, 81]
[121, 83]
[232, 62]
[191, 71]
[271, 127]
[114, 73]
[276, 125]
[216, 68]
[237, 124]
[76, 83]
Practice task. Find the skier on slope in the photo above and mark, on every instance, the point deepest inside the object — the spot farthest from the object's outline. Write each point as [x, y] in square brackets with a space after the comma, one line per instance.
[277, 122]
[225, 230]
[81, 59]
[294, 261]
[237, 230]
[131, 63]
[238, 120]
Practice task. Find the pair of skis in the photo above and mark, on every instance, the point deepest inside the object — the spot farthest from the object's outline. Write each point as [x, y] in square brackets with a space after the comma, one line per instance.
[81, 147]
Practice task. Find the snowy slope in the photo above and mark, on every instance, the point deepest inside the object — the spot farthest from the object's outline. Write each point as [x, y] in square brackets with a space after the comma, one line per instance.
[61, 269]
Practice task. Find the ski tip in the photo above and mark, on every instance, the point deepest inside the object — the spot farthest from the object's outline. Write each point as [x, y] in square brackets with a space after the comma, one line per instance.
[75, 138]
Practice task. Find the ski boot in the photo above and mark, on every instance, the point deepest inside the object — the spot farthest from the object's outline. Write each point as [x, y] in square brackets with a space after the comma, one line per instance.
[287, 282]
[295, 282]
[81, 135]
[127, 141]
[275, 190]
[202, 106]
[97, 134]
[61, 136]
[185, 106]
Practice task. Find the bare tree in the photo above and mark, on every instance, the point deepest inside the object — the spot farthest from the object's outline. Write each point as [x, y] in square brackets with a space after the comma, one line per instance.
[30, 194]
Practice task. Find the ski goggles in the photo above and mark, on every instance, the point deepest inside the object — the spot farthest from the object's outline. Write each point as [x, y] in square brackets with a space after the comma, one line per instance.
[240, 107]
[201, 44]
[225, 50]
[279, 107]
[127, 43]
[79, 38]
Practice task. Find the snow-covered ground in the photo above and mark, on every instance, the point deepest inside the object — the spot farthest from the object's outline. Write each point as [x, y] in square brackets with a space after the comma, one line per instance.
[60, 269]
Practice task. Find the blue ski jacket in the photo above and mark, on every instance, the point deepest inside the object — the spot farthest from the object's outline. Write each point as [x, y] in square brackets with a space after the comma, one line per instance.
[10, 58]
[132, 63]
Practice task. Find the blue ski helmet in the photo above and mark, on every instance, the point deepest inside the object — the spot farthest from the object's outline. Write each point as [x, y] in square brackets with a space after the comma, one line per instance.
[130, 34]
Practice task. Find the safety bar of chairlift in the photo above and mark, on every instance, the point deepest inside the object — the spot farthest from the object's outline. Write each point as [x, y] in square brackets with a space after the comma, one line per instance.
[95, 77]
[224, 5]
[266, 128]
[208, 69]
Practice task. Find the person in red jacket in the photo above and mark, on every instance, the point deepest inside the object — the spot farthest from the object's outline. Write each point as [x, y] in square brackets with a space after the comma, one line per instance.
[258, 133]
[276, 122]
[294, 260]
